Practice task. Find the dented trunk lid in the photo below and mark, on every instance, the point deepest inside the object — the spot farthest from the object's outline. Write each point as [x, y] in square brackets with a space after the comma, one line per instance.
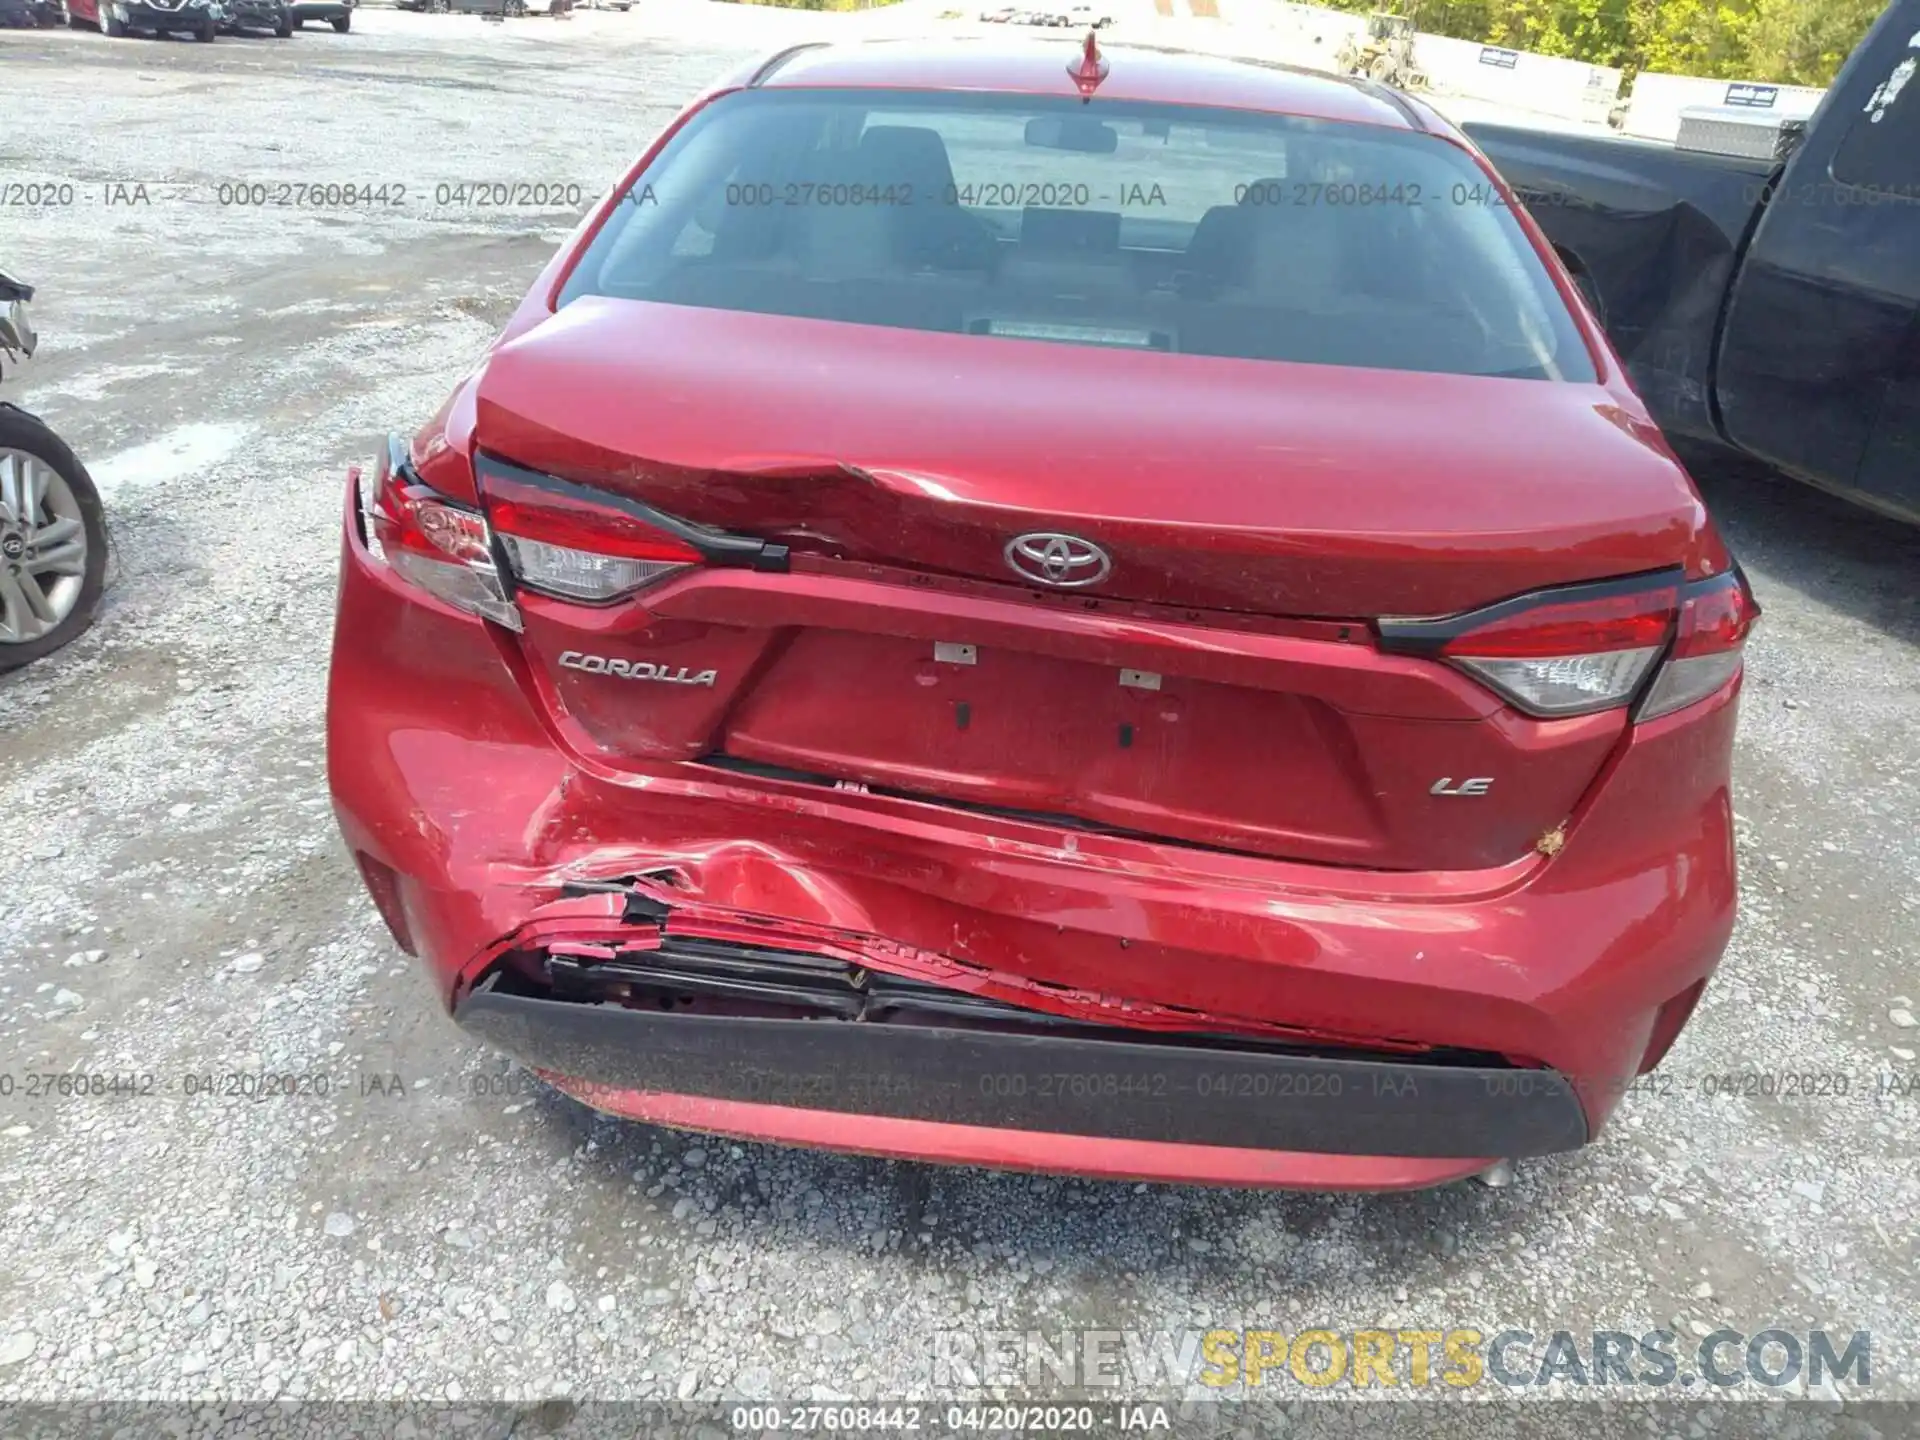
[1257, 486]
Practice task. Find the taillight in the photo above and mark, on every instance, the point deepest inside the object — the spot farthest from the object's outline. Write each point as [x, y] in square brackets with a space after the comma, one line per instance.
[1715, 617]
[1582, 648]
[1559, 652]
[579, 543]
[443, 548]
[578, 548]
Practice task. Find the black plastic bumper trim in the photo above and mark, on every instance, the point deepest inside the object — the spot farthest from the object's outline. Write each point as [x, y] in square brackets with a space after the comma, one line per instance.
[1112, 1089]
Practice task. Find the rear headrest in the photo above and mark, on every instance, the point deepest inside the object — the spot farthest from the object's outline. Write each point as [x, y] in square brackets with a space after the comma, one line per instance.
[842, 238]
[746, 232]
[1218, 252]
[1220, 249]
[909, 154]
[1297, 254]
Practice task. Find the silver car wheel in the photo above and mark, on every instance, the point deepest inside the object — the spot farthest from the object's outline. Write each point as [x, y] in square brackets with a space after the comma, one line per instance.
[43, 548]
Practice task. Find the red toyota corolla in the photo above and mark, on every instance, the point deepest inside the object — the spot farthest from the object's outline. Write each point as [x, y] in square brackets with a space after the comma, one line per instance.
[1104, 614]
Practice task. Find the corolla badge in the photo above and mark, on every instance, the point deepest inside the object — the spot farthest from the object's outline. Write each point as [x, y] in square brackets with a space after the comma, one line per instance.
[637, 669]
[1065, 562]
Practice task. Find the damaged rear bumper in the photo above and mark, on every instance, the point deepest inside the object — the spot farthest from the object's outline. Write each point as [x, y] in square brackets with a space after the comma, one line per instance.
[1183, 1093]
[1469, 1016]
[684, 1013]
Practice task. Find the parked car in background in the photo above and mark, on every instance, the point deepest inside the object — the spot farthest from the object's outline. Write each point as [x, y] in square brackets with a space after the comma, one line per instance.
[337, 13]
[512, 9]
[53, 533]
[1761, 280]
[198, 18]
[997, 17]
[1087, 17]
[28, 14]
[1322, 780]
[273, 16]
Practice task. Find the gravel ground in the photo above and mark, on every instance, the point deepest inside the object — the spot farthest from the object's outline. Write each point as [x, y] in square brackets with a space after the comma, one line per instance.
[435, 1227]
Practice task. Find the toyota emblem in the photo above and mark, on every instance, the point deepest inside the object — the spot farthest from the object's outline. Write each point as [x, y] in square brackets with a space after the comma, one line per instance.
[1065, 562]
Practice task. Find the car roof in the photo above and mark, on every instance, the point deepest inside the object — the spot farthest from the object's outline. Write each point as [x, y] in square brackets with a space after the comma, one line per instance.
[1136, 73]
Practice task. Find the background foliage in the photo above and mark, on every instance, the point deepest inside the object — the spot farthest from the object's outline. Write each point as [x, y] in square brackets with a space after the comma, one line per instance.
[1789, 42]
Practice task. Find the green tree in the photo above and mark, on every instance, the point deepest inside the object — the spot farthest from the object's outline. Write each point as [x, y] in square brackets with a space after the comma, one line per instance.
[1803, 44]
[1795, 42]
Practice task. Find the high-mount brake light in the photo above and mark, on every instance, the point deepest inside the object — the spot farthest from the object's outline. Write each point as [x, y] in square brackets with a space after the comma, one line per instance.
[1583, 648]
[443, 548]
[577, 543]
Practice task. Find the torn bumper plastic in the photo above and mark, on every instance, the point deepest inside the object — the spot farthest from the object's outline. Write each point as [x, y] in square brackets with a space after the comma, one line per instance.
[1188, 1093]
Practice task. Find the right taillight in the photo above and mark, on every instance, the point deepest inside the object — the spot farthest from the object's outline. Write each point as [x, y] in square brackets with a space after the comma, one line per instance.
[1715, 616]
[1583, 648]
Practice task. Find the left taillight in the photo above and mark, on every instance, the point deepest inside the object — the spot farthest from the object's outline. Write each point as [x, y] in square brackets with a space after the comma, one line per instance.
[575, 547]
[444, 548]
[596, 545]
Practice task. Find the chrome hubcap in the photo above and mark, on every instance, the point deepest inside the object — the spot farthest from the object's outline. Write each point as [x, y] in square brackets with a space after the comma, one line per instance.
[43, 548]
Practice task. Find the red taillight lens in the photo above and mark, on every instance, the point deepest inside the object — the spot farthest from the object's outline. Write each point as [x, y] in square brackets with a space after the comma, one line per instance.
[570, 544]
[1570, 657]
[443, 548]
[1560, 652]
[579, 525]
[1582, 648]
[1715, 618]
[1636, 621]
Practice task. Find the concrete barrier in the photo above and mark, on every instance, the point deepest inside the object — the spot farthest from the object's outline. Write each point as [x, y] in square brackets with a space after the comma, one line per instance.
[1653, 112]
[1297, 34]
[1545, 84]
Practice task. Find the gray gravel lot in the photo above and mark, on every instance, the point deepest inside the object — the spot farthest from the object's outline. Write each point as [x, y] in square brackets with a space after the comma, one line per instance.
[177, 903]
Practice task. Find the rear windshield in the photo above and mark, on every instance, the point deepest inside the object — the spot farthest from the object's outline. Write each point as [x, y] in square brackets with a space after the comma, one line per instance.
[1153, 227]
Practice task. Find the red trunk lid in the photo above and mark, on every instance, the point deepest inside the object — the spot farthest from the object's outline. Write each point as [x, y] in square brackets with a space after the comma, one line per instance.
[1237, 499]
